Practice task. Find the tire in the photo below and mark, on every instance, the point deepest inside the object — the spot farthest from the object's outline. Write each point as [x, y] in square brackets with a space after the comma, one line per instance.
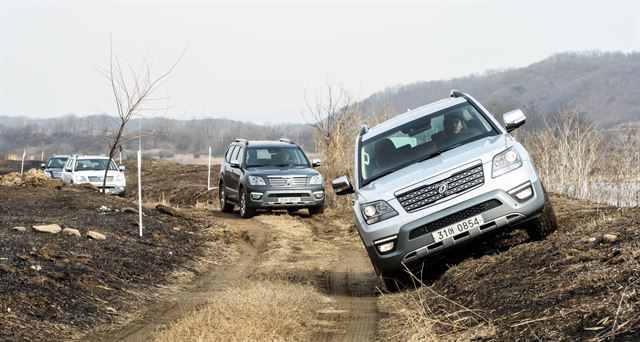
[225, 206]
[245, 211]
[397, 280]
[545, 224]
[316, 210]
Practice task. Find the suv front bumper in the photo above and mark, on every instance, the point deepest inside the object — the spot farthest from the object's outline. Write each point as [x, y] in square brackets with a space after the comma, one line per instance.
[508, 214]
[269, 198]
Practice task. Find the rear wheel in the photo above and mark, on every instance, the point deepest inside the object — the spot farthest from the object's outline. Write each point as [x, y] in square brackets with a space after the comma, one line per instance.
[245, 210]
[225, 206]
[545, 224]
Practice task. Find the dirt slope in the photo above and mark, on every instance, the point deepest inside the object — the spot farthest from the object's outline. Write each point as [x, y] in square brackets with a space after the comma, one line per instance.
[576, 285]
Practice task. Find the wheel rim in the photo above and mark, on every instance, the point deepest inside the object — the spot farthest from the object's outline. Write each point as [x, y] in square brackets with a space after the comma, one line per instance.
[222, 197]
[243, 203]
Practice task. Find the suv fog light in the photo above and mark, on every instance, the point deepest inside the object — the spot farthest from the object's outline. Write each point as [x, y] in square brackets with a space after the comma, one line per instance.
[386, 245]
[524, 194]
[319, 194]
[256, 195]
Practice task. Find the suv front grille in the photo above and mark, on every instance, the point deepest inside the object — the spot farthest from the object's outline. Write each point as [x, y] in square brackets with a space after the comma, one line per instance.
[302, 194]
[425, 195]
[453, 218]
[287, 182]
[99, 179]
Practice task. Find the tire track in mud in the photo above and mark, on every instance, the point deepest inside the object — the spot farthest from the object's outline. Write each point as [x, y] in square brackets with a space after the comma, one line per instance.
[351, 284]
[206, 285]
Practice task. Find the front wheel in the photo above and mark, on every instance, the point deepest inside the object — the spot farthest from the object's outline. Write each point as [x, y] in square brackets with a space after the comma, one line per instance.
[225, 206]
[316, 210]
[545, 224]
[397, 280]
[245, 210]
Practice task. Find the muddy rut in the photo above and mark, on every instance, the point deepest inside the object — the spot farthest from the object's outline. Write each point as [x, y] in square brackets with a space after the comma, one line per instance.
[346, 278]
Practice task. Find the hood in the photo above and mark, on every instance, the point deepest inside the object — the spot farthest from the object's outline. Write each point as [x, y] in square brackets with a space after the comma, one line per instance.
[435, 169]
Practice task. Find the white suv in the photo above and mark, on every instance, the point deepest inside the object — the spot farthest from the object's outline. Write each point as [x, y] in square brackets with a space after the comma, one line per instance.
[90, 169]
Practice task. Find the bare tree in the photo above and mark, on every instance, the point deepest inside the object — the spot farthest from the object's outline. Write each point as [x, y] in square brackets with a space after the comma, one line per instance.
[132, 89]
[336, 121]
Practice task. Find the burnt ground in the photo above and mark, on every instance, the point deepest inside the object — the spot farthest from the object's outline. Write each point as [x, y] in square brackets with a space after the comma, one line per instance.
[57, 286]
[172, 183]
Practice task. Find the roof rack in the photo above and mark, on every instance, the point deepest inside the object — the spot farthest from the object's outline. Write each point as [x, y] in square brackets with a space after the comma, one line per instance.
[456, 93]
[242, 141]
[285, 140]
[364, 129]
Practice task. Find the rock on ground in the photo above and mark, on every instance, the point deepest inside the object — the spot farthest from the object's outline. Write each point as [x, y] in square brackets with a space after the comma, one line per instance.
[95, 235]
[48, 228]
[19, 229]
[71, 231]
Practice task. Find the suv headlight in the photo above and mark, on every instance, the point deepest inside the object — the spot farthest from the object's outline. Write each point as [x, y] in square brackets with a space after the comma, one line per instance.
[256, 180]
[119, 177]
[377, 211]
[81, 179]
[505, 161]
[317, 179]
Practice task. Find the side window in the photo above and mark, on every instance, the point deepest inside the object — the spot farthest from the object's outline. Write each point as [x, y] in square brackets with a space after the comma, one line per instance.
[67, 166]
[227, 156]
[240, 156]
[235, 154]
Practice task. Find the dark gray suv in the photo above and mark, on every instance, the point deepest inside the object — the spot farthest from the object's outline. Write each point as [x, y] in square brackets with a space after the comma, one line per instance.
[266, 175]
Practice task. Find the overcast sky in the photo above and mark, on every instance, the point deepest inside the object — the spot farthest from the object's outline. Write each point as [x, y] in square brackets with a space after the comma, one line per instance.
[255, 61]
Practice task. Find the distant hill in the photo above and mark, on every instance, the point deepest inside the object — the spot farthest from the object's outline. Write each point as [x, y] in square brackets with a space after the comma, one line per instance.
[606, 86]
[72, 134]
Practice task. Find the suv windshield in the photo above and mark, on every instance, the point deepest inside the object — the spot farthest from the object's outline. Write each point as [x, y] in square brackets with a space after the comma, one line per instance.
[93, 164]
[56, 163]
[275, 156]
[421, 139]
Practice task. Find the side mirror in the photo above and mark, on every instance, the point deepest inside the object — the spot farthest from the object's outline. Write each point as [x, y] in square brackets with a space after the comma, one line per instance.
[342, 186]
[513, 119]
[121, 168]
[316, 162]
[234, 163]
[42, 166]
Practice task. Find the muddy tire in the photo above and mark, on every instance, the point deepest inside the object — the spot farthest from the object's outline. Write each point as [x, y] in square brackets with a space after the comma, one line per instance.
[316, 210]
[395, 281]
[545, 224]
[225, 206]
[245, 210]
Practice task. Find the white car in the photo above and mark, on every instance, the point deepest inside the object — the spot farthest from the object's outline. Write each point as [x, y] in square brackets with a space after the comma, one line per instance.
[90, 169]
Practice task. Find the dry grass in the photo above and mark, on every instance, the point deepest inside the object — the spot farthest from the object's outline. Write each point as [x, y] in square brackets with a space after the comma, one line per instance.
[252, 311]
[426, 315]
[575, 158]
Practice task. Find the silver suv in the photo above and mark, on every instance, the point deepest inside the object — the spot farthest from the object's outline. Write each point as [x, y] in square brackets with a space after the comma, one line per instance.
[439, 176]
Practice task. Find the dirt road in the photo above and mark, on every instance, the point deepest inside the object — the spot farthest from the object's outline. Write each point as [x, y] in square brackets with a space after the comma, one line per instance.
[344, 275]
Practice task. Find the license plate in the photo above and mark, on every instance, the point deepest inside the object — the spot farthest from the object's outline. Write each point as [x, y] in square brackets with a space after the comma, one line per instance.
[457, 228]
[289, 199]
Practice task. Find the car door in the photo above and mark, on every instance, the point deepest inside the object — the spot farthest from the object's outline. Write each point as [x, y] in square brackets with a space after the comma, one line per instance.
[236, 172]
[67, 174]
[226, 171]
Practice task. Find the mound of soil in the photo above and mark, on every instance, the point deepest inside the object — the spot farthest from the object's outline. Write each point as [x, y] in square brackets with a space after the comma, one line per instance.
[53, 286]
[581, 283]
[33, 178]
[171, 183]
